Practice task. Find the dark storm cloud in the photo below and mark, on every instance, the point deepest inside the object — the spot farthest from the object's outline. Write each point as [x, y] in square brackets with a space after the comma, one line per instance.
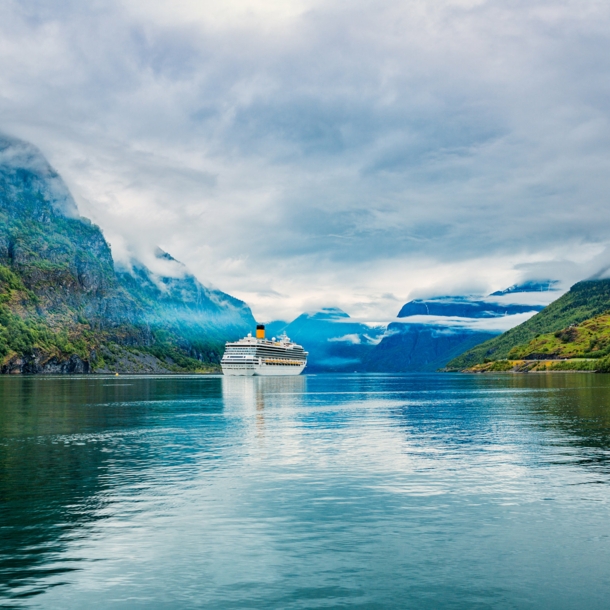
[292, 152]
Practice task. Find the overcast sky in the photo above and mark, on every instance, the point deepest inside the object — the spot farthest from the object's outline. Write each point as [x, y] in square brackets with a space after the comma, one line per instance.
[307, 153]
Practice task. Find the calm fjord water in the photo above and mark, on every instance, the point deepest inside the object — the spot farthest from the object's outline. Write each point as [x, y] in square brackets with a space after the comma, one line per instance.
[363, 491]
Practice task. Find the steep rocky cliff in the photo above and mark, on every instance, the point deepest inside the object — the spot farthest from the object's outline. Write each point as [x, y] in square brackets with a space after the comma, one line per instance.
[64, 307]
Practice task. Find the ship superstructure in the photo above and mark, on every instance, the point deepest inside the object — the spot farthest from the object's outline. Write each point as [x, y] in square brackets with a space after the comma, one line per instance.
[261, 356]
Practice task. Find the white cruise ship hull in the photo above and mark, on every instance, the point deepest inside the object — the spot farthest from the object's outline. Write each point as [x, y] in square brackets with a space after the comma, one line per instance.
[258, 356]
[248, 370]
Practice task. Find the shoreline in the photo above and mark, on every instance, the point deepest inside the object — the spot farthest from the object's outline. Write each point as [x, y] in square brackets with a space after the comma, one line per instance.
[522, 366]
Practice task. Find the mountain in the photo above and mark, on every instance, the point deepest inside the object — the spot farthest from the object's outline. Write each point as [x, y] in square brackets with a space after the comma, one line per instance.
[275, 328]
[334, 341]
[530, 286]
[65, 308]
[578, 347]
[589, 339]
[463, 307]
[431, 332]
[584, 300]
[421, 347]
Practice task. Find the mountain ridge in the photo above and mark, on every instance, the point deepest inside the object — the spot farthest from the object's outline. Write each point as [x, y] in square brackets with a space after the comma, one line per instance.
[65, 307]
[428, 333]
[333, 340]
[463, 307]
[583, 301]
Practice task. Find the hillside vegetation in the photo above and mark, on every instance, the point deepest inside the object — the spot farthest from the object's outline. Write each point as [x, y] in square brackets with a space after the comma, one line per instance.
[64, 308]
[589, 339]
[585, 300]
[578, 347]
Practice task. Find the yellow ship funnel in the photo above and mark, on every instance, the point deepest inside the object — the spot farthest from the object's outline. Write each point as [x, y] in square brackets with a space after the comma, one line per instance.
[260, 331]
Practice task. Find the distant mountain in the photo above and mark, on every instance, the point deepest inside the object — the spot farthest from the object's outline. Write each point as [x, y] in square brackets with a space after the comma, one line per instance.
[421, 347]
[181, 303]
[275, 328]
[431, 332]
[531, 286]
[64, 307]
[436, 330]
[334, 341]
[585, 300]
[463, 307]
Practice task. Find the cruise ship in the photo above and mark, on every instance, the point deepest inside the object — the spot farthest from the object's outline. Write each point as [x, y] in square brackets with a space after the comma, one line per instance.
[260, 356]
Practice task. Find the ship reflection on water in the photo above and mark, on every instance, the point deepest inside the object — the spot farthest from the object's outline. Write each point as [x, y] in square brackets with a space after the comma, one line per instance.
[252, 395]
[256, 391]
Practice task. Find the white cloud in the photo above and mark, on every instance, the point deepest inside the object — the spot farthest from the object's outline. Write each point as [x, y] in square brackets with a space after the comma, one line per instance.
[300, 154]
[500, 324]
[354, 339]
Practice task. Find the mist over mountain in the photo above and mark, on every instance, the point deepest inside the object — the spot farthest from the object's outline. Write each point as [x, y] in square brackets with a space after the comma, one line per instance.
[334, 341]
[428, 333]
[585, 300]
[180, 301]
[463, 307]
[529, 286]
[422, 347]
[65, 308]
[431, 332]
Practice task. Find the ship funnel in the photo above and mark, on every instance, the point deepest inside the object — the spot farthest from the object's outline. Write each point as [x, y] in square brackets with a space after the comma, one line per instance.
[260, 331]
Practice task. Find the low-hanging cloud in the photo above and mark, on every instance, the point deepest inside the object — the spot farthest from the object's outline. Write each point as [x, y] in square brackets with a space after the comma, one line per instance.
[325, 153]
[449, 323]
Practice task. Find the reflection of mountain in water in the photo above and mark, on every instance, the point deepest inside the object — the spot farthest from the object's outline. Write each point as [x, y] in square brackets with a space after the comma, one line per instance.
[70, 446]
[575, 406]
[64, 446]
[571, 410]
[173, 485]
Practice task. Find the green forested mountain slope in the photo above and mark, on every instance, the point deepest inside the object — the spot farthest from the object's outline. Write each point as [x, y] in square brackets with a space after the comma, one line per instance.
[584, 300]
[64, 307]
[589, 339]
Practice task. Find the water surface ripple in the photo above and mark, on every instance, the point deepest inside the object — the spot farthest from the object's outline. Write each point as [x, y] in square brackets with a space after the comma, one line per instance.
[329, 491]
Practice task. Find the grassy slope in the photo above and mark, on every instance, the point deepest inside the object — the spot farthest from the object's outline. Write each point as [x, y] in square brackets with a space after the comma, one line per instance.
[590, 339]
[596, 365]
[584, 300]
[585, 347]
